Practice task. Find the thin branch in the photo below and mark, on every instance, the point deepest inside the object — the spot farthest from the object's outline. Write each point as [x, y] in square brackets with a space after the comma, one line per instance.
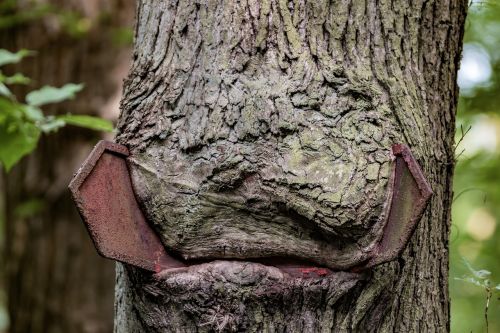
[488, 297]
[470, 189]
[462, 135]
[458, 156]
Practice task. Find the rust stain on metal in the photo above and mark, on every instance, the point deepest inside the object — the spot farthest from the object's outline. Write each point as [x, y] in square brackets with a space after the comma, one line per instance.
[314, 270]
[103, 193]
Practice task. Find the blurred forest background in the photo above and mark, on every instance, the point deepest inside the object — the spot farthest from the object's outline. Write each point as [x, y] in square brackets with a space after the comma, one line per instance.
[475, 236]
[51, 279]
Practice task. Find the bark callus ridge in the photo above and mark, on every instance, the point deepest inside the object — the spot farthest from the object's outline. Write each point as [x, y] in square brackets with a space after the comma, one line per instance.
[263, 149]
[225, 296]
[226, 201]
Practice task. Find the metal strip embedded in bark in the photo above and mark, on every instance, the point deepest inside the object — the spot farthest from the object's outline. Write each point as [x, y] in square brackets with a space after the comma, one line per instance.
[411, 193]
[103, 194]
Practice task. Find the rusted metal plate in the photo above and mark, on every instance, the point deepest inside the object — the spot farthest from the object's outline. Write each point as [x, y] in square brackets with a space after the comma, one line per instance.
[103, 194]
[410, 195]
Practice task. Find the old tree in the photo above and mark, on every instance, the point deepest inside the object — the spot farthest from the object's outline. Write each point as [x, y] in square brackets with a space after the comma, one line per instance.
[262, 129]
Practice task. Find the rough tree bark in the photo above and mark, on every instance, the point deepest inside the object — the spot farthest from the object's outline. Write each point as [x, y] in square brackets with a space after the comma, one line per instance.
[55, 281]
[263, 129]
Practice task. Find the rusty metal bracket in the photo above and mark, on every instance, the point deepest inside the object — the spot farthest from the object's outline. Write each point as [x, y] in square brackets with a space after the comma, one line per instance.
[410, 194]
[103, 193]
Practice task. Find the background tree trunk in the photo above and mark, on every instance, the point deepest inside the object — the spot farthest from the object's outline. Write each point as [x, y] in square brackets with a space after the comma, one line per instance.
[208, 74]
[55, 281]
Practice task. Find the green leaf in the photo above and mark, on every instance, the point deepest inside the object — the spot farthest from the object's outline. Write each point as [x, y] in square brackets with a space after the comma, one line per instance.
[74, 23]
[4, 91]
[32, 113]
[481, 274]
[7, 57]
[470, 280]
[51, 124]
[50, 94]
[90, 122]
[18, 140]
[17, 78]
[10, 111]
[497, 287]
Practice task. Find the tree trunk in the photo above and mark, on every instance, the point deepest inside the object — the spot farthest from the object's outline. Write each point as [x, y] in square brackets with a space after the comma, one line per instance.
[55, 281]
[262, 130]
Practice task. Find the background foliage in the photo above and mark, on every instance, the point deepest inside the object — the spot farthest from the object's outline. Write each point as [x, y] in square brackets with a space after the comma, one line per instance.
[475, 236]
[22, 123]
[76, 34]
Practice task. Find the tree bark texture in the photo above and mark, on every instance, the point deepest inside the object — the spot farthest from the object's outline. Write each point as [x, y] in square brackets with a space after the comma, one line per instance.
[55, 281]
[263, 129]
